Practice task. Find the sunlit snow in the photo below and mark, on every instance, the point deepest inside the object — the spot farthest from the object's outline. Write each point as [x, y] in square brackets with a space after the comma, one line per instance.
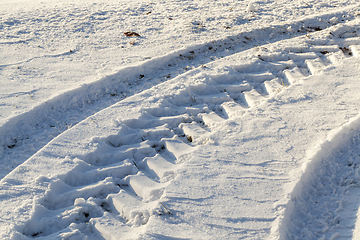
[179, 119]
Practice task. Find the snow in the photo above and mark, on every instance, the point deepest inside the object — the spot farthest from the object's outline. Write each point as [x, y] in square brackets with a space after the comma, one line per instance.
[251, 7]
[221, 120]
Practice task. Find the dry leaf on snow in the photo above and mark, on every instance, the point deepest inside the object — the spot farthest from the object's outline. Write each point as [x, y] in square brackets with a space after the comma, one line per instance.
[131, 34]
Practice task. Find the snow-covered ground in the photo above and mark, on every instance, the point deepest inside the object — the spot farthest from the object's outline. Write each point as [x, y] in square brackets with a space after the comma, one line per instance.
[221, 120]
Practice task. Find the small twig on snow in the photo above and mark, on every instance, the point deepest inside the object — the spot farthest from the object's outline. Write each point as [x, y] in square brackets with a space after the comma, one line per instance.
[168, 211]
[192, 97]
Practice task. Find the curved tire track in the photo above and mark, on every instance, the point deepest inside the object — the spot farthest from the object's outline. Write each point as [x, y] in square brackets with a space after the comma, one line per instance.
[325, 202]
[70, 108]
[117, 187]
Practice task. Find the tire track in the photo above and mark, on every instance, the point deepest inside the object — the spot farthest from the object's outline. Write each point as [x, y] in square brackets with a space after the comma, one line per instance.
[57, 115]
[325, 202]
[114, 190]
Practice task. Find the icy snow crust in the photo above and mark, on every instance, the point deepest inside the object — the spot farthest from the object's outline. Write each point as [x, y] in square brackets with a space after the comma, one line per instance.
[250, 136]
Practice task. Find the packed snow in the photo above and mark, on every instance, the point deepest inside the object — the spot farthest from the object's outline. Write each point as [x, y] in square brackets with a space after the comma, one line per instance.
[179, 120]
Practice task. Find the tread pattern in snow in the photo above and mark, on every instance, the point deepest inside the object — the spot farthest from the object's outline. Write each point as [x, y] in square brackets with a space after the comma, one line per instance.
[327, 204]
[116, 189]
[18, 134]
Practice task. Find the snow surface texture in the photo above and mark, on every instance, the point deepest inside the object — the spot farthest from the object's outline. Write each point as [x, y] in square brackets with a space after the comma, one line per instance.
[61, 59]
[252, 136]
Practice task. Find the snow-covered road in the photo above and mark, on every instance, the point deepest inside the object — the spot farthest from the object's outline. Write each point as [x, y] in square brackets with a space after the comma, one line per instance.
[251, 136]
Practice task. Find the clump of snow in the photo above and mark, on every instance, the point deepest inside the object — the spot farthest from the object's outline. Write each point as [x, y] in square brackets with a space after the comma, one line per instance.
[79, 201]
[334, 20]
[251, 7]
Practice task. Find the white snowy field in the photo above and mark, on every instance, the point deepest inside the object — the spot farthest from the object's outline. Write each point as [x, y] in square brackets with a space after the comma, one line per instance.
[220, 120]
